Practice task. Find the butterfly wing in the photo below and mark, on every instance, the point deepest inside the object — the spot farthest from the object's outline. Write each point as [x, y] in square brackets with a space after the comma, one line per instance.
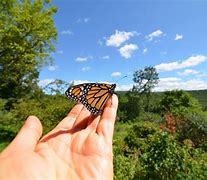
[92, 95]
[75, 92]
[96, 97]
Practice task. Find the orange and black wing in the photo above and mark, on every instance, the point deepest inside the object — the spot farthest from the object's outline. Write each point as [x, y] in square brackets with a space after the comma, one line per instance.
[96, 97]
[92, 95]
[75, 92]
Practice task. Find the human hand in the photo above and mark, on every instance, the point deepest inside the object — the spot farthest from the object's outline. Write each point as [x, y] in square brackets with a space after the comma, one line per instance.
[79, 147]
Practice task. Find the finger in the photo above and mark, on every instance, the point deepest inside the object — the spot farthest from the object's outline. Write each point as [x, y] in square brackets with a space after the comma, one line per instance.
[28, 136]
[65, 125]
[82, 120]
[72, 123]
[93, 123]
[106, 124]
[68, 121]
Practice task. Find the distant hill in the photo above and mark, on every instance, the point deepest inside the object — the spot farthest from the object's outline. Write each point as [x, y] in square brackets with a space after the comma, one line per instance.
[200, 95]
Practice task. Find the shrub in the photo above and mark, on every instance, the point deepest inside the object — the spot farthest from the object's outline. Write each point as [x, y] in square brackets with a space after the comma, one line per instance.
[139, 135]
[165, 158]
[50, 109]
[178, 102]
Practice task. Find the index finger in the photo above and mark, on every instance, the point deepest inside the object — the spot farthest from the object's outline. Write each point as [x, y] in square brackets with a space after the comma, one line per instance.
[68, 121]
[106, 124]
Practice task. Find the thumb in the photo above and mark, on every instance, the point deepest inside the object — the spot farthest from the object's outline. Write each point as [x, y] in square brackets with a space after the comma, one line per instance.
[28, 136]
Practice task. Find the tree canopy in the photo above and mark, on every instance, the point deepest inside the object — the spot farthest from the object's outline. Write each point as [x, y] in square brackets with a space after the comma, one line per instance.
[27, 37]
[145, 79]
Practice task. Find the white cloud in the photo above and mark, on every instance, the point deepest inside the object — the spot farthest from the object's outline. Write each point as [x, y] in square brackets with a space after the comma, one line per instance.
[75, 82]
[145, 50]
[178, 37]
[83, 20]
[127, 50]
[124, 87]
[45, 82]
[115, 74]
[84, 69]
[53, 68]
[83, 59]
[191, 61]
[163, 52]
[119, 37]
[66, 32]
[188, 72]
[154, 34]
[171, 83]
[105, 57]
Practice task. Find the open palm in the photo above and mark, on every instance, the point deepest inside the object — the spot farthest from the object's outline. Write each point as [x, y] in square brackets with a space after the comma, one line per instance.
[80, 147]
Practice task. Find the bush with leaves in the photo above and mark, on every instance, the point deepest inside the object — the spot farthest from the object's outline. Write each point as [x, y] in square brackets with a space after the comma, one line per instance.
[132, 107]
[7, 131]
[50, 109]
[165, 158]
[151, 117]
[139, 135]
[178, 102]
[193, 126]
[124, 165]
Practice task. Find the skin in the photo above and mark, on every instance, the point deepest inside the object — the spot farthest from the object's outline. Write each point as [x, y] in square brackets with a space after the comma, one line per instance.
[79, 147]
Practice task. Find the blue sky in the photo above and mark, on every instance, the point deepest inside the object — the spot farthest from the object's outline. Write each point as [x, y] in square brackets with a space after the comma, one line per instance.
[102, 41]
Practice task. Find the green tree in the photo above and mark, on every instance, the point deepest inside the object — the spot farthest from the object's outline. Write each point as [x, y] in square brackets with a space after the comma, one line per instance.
[27, 36]
[190, 121]
[139, 135]
[131, 108]
[57, 86]
[49, 108]
[193, 126]
[166, 159]
[178, 102]
[145, 80]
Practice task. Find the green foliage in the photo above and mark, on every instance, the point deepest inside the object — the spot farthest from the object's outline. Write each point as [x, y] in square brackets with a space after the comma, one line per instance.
[57, 86]
[50, 109]
[193, 126]
[139, 135]
[27, 35]
[152, 117]
[166, 159]
[145, 80]
[124, 167]
[6, 127]
[154, 154]
[178, 102]
[163, 158]
[130, 107]
[201, 96]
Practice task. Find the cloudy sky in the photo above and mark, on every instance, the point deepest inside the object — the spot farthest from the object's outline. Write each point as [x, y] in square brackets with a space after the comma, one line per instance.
[102, 41]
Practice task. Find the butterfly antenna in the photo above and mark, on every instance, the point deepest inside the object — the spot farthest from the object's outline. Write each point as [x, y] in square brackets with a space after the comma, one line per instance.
[71, 83]
[120, 79]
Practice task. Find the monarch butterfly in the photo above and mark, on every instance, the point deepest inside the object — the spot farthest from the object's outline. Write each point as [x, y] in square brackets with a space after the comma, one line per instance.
[92, 95]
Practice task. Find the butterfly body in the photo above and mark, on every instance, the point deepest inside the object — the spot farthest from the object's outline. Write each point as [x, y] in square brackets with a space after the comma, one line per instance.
[92, 95]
